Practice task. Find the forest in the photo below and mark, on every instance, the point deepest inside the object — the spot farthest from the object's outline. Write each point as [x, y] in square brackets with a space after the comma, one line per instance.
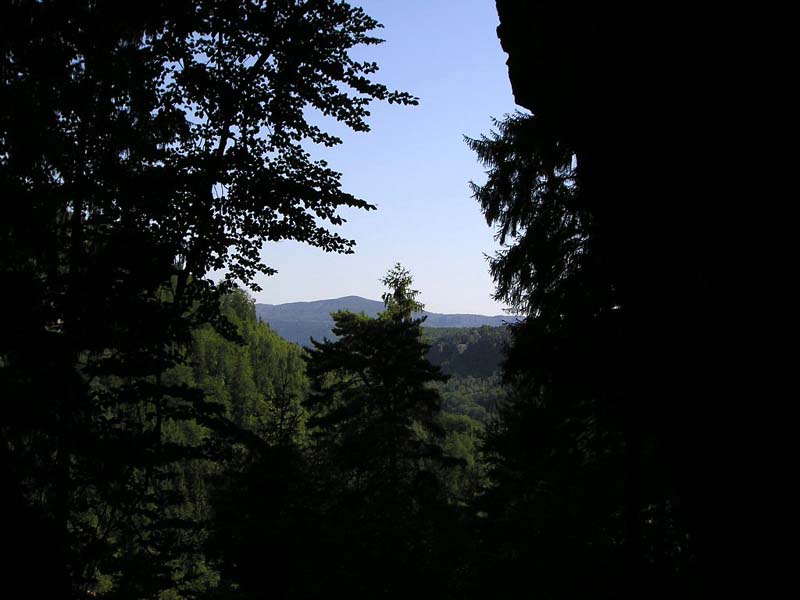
[160, 441]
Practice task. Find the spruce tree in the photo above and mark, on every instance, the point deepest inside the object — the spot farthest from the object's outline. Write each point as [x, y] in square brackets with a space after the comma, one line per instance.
[377, 439]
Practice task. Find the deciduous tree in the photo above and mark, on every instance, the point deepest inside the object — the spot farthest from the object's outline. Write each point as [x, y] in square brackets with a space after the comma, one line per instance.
[139, 151]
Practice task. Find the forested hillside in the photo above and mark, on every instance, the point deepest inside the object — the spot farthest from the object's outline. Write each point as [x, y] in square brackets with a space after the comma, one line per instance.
[468, 351]
[318, 412]
[256, 384]
[257, 376]
[472, 356]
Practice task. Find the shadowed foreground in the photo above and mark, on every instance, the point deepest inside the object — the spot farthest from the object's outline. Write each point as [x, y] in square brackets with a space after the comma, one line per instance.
[159, 440]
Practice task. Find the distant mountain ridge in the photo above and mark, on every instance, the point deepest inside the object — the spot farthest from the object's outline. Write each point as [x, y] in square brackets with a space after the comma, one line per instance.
[299, 321]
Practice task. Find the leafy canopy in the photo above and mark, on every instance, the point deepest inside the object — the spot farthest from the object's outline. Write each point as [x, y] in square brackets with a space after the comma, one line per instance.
[140, 150]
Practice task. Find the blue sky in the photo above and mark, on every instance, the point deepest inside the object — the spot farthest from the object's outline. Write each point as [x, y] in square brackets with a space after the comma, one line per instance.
[413, 165]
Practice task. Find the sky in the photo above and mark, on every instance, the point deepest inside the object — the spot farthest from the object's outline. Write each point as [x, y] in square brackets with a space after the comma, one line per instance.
[414, 165]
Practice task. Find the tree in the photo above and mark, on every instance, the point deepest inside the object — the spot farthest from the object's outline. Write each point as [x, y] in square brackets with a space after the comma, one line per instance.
[260, 381]
[138, 153]
[369, 387]
[600, 453]
[581, 488]
[400, 301]
[375, 432]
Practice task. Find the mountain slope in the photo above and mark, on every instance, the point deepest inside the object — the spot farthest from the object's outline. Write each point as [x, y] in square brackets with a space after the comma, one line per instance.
[299, 321]
[468, 351]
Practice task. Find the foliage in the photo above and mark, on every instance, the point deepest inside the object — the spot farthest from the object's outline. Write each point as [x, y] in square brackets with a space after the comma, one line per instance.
[531, 196]
[140, 150]
[261, 382]
[475, 397]
[158, 441]
[376, 432]
[586, 458]
[400, 301]
[468, 351]
[370, 395]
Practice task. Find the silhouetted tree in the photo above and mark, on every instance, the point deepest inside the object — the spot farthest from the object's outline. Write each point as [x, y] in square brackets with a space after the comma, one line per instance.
[598, 455]
[376, 435]
[140, 151]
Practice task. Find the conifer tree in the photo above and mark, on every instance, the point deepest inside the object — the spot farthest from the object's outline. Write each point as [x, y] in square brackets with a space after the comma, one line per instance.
[370, 391]
[376, 433]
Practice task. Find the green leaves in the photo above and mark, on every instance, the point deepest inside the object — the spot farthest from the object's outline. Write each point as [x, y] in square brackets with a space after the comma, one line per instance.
[139, 151]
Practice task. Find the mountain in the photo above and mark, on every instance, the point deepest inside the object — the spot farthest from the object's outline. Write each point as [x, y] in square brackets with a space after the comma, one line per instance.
[299, 321]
